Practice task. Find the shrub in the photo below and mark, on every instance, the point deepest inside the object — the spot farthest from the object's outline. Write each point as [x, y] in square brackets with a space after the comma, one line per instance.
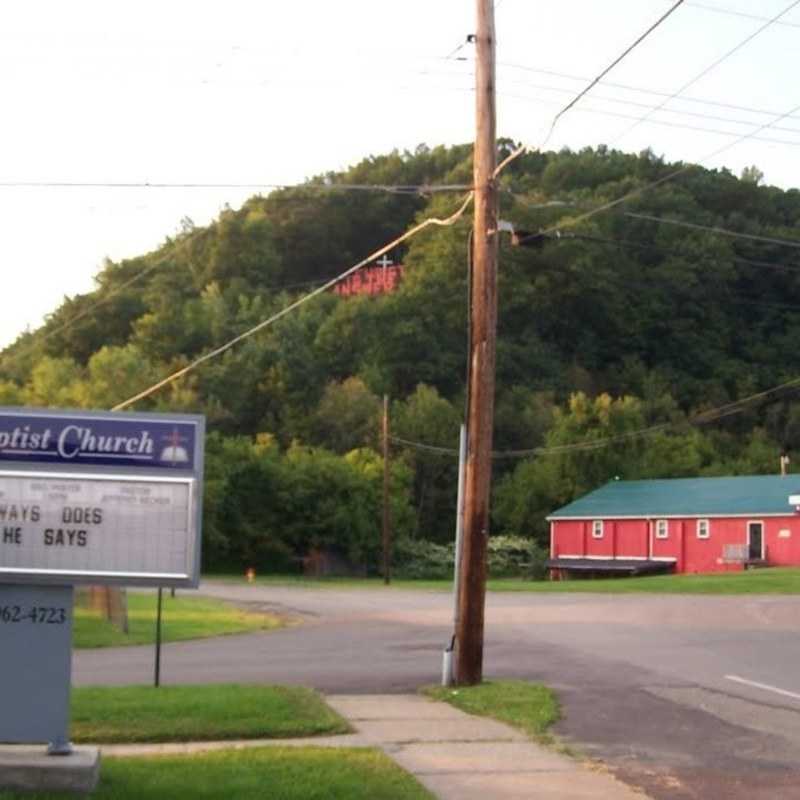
[420, 559]
[507, 557]
[515, 557]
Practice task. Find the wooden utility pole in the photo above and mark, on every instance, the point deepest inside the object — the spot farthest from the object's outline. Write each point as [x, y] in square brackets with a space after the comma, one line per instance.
[387, 519]
[480, 405]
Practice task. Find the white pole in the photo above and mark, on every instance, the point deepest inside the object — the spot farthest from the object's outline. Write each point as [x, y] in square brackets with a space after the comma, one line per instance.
[447, 664]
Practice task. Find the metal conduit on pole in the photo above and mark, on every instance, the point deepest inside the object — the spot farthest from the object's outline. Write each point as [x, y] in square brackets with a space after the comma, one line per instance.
[387, 518]
[448, 677]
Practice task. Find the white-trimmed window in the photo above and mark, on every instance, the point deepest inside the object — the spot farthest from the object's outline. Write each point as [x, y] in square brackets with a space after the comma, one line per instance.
[703, 529]
[662, 529]
[597, 529]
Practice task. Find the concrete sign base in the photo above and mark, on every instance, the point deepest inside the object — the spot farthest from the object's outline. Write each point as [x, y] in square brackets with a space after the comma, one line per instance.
[24, 768]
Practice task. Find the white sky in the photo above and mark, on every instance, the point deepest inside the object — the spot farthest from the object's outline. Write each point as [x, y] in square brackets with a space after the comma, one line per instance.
[189, 91]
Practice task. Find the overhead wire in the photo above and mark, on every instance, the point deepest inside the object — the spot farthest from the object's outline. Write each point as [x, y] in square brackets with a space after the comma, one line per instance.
[610, 67]
[700, 418]
[571, 222]
[734, 13]
[717, 229]
[636, 104]
[627, 243]
[431, 221]
[702, 74]
[662, 122]
[795, 243]
[526, 148]
[734, 296]
[706, 416]
[415, 189]
[405, 189]
[642, 90]
[42, 338]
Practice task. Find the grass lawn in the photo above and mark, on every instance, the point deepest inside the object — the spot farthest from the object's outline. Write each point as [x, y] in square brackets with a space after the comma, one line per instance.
[531, 707]
[275, 773]
[182, 618]
[776, 580]
[111, 715]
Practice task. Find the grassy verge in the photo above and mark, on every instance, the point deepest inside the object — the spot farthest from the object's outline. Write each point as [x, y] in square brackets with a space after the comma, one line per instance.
[279, 773]
[111, 715]
[777, 580]
[182, 618]
[334, 583]
[531, 707]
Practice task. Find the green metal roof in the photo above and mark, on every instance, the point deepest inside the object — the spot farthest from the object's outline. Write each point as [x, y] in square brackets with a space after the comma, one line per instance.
[692, 497]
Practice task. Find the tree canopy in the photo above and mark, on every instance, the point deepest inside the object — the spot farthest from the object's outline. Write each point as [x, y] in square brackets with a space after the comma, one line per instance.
[624, 321]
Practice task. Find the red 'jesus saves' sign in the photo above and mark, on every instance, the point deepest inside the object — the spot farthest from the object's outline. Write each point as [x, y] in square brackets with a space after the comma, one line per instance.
[378, 278]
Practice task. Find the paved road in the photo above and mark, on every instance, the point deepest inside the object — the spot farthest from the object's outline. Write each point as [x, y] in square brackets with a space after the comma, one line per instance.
[687, 697]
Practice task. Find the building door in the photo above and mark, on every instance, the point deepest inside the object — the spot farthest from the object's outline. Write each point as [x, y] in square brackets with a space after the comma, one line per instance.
[755, 540]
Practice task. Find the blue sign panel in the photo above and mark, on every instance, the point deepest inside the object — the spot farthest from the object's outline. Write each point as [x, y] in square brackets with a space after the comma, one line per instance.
[94, 440]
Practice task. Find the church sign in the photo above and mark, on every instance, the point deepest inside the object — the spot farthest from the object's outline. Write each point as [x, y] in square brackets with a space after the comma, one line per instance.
[85, 497]
[89, 497]
[380, 277]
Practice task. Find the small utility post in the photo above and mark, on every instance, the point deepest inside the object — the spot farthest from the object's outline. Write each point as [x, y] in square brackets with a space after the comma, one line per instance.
[387, 519]
[157, 670]
[480, 407]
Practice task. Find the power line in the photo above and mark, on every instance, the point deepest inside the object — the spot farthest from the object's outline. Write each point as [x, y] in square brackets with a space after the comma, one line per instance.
[668, 177]
[41, 338]
[731, 12]
[641, 90]
[663, 123]
[611, 66]
[744, 42]
[735, 297]
[451, 220]
[427, 448]
[666, 251]
[636, 104]
[700, 418]
[795, 243]
[94, 306]
[413, 189]
[524, 148]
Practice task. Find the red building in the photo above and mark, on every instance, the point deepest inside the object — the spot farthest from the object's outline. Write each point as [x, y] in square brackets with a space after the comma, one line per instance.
[379, 278]
[680, 525]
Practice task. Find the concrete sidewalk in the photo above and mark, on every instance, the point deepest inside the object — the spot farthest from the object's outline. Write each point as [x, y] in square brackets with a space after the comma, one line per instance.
[462, 757]
[457, 756]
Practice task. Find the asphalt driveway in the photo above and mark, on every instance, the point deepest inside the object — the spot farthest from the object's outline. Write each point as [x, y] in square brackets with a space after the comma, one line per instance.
[685, 696]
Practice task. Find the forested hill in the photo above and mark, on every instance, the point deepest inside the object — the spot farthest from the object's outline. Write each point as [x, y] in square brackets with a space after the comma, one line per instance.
[646, 320]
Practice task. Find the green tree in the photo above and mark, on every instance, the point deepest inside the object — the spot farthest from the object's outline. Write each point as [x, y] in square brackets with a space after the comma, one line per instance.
[429, 419]
[347, 416]
[57, 382]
